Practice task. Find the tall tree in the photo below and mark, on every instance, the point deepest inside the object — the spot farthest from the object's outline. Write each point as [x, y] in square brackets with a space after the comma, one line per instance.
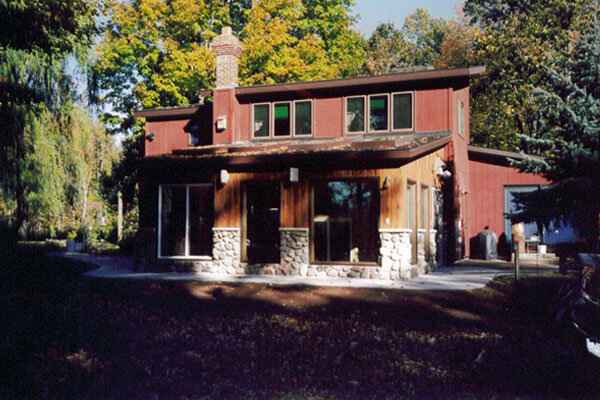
[518, 40]
[418, 43]
[567, 134]
[34, 39]
[387, 50]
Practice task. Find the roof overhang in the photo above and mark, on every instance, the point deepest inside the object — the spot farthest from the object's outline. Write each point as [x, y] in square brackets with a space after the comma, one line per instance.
[182, 112]
[381, 152]
[427, 75]
[494, 156]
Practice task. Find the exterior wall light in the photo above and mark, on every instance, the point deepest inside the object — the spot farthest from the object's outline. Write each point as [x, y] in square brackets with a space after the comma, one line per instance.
[221, 123]
[223, 177]
[386, 183]
[150, 136]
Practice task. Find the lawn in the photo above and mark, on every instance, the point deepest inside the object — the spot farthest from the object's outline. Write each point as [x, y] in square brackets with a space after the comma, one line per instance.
[67, 337]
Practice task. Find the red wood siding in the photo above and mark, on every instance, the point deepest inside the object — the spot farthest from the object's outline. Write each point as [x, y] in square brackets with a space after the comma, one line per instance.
[224, 103]
[244, 121]
[329, 117]
[487, 194]
[431, 110]
[168, 135]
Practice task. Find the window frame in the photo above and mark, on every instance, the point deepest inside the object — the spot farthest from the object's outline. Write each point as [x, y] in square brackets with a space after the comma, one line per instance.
[312, 118]
[412, 110]
[270, 122]
[414, 211]
[368, 115]
[346, 131]
[291, 117]
[312, 257]
[187, 255]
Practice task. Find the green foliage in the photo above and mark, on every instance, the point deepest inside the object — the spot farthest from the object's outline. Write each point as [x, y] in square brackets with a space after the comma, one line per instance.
[418, 43]
[50, 27]
[35, 39]
[281, 45]
[517, 42]
[567, 133]
[66, 157]
[156, 52]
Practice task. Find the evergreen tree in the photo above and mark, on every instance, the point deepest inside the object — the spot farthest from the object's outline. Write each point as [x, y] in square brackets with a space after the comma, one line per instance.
[567, 134]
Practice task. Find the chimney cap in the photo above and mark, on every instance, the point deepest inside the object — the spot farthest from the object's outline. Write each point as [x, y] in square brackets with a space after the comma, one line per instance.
[226, 30]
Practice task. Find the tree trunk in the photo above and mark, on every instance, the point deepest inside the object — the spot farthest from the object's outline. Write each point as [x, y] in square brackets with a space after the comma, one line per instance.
[85, 187]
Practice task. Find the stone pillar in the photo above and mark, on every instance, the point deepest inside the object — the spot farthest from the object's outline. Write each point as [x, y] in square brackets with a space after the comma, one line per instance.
[293, 248]
[421, 261]
[226, 251]
[432, 247]
[395, 252]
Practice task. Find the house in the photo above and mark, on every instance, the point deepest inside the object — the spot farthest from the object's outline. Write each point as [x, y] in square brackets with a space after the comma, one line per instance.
[359, 177]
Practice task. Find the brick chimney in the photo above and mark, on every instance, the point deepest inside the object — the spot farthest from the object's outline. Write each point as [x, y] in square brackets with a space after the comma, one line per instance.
[228, 50]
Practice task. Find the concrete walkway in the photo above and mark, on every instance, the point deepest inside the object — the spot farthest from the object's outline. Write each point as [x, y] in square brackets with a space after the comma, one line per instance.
[464, 276]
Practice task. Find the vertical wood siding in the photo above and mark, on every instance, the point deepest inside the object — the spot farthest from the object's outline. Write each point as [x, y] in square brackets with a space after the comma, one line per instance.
[295, 197]
[487, 194]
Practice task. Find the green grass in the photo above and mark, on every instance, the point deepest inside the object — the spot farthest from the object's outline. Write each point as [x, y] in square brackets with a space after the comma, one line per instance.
[65, 337]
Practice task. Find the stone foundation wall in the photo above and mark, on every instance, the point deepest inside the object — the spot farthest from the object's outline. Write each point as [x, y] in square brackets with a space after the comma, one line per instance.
[395, 255]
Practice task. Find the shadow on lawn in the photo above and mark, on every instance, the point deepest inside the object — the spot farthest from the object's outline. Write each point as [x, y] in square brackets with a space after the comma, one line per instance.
[68, 337]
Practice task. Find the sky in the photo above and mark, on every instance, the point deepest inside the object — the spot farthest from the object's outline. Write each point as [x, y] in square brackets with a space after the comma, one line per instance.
[372, 12]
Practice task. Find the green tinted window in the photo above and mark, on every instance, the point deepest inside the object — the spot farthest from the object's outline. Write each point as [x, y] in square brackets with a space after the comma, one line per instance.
[303, 118]
[282, 119]
[261, 120]
[402, 111]
[355, 114]
[378, 113]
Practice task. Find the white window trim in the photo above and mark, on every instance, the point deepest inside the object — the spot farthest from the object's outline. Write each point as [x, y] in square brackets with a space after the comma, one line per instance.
[413, 113]
[187, 223]
[346, 131]
[368, 118]
[252, 121]
[272, 133]
[461, 118]
[312, 117]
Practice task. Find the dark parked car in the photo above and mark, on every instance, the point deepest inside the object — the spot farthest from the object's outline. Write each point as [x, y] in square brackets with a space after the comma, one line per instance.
[586, 315]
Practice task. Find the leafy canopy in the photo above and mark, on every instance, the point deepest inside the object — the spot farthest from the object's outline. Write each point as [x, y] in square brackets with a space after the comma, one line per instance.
[156, 52]
[418, 43]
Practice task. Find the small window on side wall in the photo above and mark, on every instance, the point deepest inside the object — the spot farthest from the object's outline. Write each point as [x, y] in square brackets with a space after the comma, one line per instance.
[260, 124]
[303, 118]
[282, 119]
[378, 113]
[402, 104]
[355, 114]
